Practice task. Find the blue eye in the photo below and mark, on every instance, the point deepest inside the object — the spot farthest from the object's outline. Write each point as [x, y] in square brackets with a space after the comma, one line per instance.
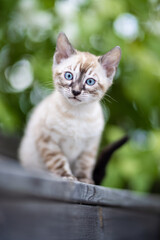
[68, 76]
[90, 81]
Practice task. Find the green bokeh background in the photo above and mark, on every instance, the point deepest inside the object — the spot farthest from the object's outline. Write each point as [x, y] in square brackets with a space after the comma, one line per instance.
[28, 31]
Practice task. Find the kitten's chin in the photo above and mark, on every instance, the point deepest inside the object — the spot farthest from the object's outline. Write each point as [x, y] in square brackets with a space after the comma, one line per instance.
[77, 102]
[74, 101]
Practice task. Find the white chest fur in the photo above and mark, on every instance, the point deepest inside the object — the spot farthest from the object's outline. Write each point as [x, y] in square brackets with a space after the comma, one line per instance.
[76, 126]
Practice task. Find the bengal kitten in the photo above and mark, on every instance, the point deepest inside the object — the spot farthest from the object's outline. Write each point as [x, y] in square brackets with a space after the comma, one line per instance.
[64, 130]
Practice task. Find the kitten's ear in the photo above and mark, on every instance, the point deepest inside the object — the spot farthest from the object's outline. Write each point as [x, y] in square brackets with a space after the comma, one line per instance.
[64, 48]
[110, 61]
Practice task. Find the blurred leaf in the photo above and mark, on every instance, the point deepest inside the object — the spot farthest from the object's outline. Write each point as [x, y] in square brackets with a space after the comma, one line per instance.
[28, 31]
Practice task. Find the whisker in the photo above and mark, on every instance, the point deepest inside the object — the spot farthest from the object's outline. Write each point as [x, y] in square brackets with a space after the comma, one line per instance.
[111, 98]
[48, 85]
[104, 100]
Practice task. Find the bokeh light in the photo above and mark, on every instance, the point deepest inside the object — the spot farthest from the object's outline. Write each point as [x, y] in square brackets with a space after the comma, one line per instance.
[126, 26]
[28, 32]
[20, 75]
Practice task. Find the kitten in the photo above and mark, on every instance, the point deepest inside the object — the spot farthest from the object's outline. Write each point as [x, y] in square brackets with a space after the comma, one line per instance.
[64, 131]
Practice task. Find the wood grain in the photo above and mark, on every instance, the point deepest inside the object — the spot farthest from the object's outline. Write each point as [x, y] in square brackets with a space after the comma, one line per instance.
[13, 178]
[25, 219]
[37, 205]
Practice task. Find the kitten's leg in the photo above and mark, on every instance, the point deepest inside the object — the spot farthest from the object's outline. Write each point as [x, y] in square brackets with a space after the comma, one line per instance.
[53, 158]
[84, 165]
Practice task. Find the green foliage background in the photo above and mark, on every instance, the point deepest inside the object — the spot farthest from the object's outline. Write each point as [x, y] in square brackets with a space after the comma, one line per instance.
[28, 31]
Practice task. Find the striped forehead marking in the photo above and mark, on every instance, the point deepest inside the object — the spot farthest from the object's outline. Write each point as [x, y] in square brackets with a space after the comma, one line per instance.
[84, 67]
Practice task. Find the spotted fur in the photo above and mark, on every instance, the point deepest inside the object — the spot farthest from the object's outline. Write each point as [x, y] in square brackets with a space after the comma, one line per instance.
[63, 133]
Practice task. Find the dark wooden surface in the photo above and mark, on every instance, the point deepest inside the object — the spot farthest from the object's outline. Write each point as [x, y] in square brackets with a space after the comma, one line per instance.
[25, 219]
[36, 205]
[9, 145]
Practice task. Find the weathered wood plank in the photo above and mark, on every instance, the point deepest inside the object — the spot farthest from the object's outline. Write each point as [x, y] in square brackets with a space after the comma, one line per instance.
[15, 179]
[9, 145]
[37, 205]
[124, 224]
[28, 220]
[25, 219]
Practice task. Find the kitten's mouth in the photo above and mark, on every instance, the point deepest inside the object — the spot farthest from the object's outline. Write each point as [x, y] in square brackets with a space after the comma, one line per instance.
[75, 98]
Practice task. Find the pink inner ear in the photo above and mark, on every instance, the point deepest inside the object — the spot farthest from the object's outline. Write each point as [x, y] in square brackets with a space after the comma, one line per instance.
[110, 71]
[64, 48]
[59, 56]
[108, 67]
[110, 61]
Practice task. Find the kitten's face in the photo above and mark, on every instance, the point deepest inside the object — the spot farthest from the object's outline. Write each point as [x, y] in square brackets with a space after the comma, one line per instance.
[79, 76]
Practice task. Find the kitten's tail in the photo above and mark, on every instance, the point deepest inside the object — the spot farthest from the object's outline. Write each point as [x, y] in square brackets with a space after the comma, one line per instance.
[104, 157]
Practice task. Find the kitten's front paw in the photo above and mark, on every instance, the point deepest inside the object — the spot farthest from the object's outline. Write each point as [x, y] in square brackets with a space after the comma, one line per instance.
[86, 180]
[70, 178]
